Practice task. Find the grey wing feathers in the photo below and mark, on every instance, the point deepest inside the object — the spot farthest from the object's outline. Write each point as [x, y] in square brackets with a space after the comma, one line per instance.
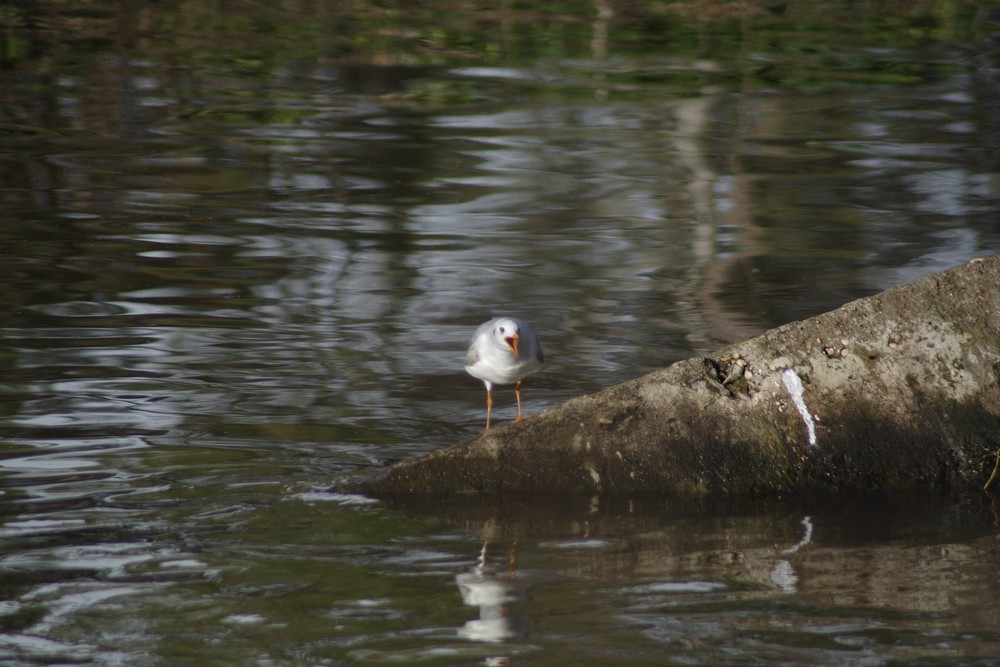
[472, 356]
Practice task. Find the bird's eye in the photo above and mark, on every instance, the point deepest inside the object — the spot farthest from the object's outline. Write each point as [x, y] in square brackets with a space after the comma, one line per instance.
[502, 330]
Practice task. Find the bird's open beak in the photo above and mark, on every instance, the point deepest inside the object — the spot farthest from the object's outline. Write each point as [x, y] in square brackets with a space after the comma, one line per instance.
[512, 343]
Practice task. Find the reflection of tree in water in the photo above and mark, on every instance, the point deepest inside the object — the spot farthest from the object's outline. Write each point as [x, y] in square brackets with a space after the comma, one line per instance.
[500, 598]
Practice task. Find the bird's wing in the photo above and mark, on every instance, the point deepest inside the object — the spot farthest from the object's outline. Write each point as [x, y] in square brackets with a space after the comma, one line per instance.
[472, 356]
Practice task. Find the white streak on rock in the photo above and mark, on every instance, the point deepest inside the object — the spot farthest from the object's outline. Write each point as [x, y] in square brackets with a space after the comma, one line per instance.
[793, 383]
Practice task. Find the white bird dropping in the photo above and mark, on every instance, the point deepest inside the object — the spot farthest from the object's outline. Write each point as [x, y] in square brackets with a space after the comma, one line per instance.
[793, 383]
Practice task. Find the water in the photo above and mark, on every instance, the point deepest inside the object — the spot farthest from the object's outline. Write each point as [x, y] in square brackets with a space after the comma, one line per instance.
[242, 256]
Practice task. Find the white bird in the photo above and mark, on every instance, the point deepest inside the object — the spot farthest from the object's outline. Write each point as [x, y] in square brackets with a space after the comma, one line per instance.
[503, 351]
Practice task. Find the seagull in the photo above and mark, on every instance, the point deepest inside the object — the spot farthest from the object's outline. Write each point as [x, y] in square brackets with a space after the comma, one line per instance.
[503, 351]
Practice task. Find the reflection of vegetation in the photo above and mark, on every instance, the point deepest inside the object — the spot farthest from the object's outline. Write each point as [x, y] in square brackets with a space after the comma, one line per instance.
[447, 30]
[632, 47]
[11, 17]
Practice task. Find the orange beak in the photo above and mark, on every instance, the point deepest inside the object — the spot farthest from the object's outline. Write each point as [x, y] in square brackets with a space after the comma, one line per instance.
[512, 343]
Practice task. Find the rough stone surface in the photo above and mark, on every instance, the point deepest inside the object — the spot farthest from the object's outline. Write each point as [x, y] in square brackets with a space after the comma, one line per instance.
[902, 390]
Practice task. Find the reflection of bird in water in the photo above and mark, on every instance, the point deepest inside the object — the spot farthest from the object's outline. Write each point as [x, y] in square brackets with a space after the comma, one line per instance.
[499, 598]
[503, 351]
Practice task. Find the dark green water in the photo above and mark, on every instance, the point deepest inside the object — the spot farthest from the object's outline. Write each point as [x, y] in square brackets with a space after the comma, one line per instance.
[242, 249]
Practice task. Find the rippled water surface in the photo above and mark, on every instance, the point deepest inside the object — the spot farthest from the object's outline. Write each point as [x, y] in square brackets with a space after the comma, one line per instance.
[243, 249]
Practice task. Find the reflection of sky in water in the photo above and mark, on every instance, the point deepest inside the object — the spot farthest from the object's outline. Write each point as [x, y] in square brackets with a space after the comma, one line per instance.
[344, 266]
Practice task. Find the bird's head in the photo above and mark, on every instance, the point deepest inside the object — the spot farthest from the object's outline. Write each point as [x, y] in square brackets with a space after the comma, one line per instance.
[506, 332]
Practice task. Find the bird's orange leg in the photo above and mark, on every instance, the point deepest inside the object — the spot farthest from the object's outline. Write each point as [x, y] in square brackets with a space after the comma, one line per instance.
[517, 392]
[489, 407]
